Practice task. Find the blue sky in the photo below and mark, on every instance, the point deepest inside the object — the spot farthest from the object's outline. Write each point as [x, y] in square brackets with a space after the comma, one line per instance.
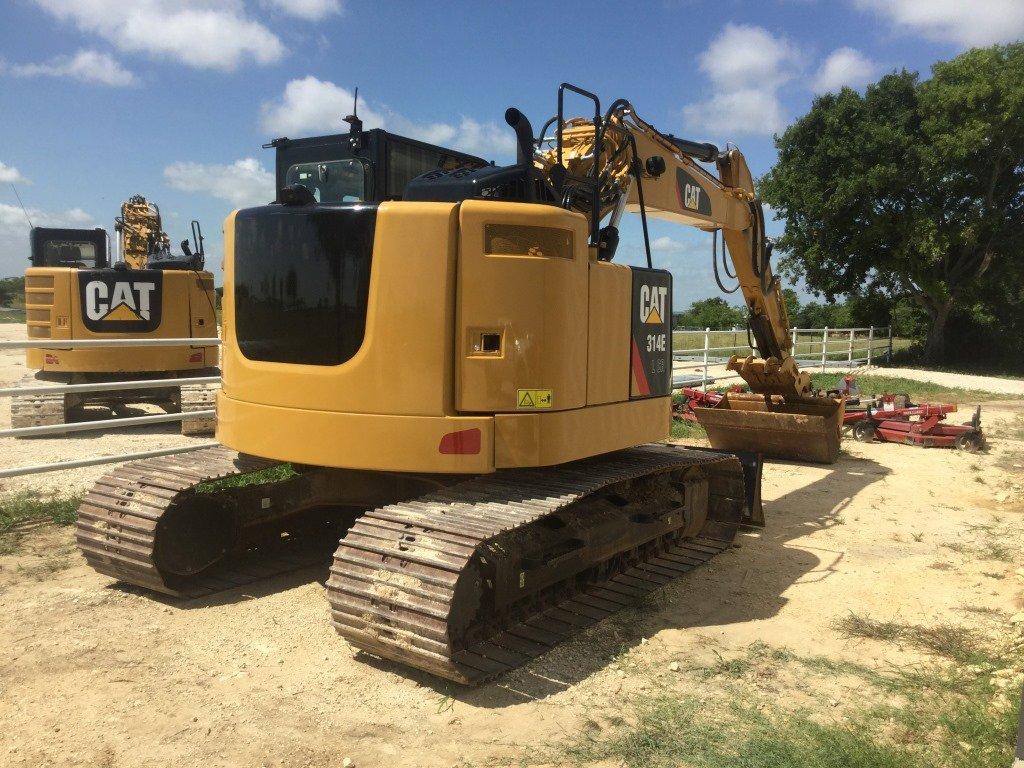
[101, 99]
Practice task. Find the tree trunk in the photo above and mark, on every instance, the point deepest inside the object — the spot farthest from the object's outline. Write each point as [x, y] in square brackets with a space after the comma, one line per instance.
[935, 343]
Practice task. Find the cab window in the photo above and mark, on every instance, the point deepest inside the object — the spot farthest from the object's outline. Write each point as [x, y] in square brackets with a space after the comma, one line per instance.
[69, 253]
[334, 181]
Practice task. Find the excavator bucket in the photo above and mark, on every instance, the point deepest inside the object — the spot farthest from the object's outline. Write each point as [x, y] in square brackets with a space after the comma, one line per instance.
[805, 429]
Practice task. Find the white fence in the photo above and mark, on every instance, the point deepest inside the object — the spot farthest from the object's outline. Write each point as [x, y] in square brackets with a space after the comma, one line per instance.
[102, 424]
[820, 348]
[692, 350]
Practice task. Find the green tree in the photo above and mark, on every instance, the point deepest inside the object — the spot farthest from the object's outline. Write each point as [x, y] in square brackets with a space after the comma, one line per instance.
[12, 291]
[713, 313]
[915, 189]
[792, 304]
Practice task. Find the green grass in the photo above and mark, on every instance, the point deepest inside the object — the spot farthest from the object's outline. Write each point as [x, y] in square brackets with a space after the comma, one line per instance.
[266, 476]
[683, 429]
[668, 732]
[919, 391]
[950, 641]
[27, 510]
[12, 315]
[947, 713]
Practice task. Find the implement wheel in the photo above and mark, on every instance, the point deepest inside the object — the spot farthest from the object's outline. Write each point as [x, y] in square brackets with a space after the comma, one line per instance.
[864, 431]
[969, 441]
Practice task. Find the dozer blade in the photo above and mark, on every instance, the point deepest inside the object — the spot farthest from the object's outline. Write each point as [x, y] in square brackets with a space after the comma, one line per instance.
[805, 429]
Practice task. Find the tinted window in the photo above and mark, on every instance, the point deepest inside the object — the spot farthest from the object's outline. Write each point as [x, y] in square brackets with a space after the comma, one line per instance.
[302, 277]
[334, 181]
[69, 253]
[406, 162]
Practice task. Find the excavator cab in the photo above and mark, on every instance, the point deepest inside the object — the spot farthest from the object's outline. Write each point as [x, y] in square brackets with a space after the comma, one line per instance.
[360, 166]
[58, 247]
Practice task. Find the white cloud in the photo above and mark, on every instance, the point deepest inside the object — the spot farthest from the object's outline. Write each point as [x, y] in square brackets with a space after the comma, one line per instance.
[749, 111]
[242, 183]
[87, 66]
[206, 34]
[746, 66]
[844, 66]
[310, 105]
[11, 175]
[745, 56]
[963, 23]
[14, 245]
[666, 244]
[308, 10]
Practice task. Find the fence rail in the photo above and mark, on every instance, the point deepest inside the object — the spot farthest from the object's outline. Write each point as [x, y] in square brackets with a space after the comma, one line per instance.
[822, 348]
[59, 344]
[36, 469]
[85, 426]
[836, 347]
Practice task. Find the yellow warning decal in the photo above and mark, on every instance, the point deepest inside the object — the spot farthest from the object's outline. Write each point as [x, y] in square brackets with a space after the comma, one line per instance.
[533, 398]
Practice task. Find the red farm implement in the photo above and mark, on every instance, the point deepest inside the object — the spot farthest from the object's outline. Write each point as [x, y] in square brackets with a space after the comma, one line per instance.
[889, 419]
[921, 425]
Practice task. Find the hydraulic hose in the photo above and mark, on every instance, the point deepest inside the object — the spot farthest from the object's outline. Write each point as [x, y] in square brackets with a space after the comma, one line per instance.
[714, 264]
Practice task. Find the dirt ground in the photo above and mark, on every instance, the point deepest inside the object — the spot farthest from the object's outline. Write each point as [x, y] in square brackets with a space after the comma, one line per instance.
[93, 673]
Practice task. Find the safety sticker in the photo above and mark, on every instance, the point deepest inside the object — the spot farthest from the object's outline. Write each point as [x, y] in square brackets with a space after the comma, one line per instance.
[533, 398]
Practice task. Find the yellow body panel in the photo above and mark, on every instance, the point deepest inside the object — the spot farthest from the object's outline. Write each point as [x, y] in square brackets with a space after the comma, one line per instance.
[405, 362]
[544, 439]
[54, 311]
[351, 440]
[421, 373]
[537, 303]
[608, 336]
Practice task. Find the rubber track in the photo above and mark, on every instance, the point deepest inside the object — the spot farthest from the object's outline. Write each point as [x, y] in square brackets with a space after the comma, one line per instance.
[37, 410]
[117, 521]
[394, 574]
[198, 397]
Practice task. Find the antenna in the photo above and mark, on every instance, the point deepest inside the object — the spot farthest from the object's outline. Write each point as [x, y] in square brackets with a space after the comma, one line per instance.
[355, 129]
[23, 210]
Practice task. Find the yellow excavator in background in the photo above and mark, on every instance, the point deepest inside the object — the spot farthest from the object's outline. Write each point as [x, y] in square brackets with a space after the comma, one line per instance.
[455, 376]
[73, 292]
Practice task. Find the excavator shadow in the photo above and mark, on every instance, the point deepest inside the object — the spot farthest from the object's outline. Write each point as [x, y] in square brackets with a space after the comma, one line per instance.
[743, 584]
[260, 575]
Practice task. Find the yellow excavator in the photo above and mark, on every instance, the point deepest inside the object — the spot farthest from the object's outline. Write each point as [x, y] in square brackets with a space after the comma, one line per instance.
[74, 292]
[455, 376]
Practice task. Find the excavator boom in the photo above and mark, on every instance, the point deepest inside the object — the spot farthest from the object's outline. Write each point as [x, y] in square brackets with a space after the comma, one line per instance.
[636, 168]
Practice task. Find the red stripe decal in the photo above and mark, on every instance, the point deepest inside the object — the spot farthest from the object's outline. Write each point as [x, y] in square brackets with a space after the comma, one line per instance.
[638, 371]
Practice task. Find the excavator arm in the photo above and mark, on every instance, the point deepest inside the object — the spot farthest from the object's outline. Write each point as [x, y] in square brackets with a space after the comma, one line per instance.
[618, 162]
[642, 170]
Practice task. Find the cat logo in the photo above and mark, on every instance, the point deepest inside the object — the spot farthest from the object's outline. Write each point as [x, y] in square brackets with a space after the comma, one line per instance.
[119, 302]
[652, 304]
[691, 195]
